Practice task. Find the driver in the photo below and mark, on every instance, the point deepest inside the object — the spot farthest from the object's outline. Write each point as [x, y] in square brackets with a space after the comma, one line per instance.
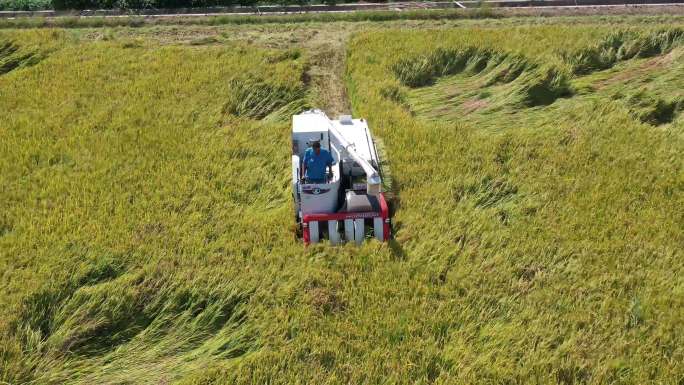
[316, 159]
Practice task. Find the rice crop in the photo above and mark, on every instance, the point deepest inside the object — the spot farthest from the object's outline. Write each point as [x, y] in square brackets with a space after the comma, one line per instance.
[147, 231]
[562, 205]
[539, 80]
[122, 148]
[29, 51]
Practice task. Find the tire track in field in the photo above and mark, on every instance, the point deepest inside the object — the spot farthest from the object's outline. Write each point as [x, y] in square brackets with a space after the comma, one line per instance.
[325, 75]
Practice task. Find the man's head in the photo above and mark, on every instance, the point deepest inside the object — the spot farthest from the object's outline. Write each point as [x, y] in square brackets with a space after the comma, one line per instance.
[316, 147]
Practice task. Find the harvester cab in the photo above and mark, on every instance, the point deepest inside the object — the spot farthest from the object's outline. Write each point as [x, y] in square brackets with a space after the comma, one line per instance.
[349, 205]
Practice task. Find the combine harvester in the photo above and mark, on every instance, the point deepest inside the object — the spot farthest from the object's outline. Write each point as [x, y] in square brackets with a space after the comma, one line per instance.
[350, 204]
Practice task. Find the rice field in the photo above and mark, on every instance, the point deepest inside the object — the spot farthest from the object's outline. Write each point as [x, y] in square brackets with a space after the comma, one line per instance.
[147, 235]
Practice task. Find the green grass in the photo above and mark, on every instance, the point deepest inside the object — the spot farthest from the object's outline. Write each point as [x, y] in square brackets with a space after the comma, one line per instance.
[359, 16]
[24, 5]
[147, 235]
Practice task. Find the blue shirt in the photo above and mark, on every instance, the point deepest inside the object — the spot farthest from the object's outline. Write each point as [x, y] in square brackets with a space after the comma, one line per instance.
[316, 164]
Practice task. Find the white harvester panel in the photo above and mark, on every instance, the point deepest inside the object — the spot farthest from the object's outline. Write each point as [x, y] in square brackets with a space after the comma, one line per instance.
[358, 230]
[348, 229]
[333, 233]
[313, 231]
[308, 127]
[319, 198]
[356, 132]
[378, 228]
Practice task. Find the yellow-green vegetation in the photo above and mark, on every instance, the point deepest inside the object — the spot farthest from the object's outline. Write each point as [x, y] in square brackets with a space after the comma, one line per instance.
[305, 17]
[126, 183]
[549, 236]
[147, 234]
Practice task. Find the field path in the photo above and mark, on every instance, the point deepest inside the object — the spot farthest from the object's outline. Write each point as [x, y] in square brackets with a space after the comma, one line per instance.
[326, 74]
[324, 45]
